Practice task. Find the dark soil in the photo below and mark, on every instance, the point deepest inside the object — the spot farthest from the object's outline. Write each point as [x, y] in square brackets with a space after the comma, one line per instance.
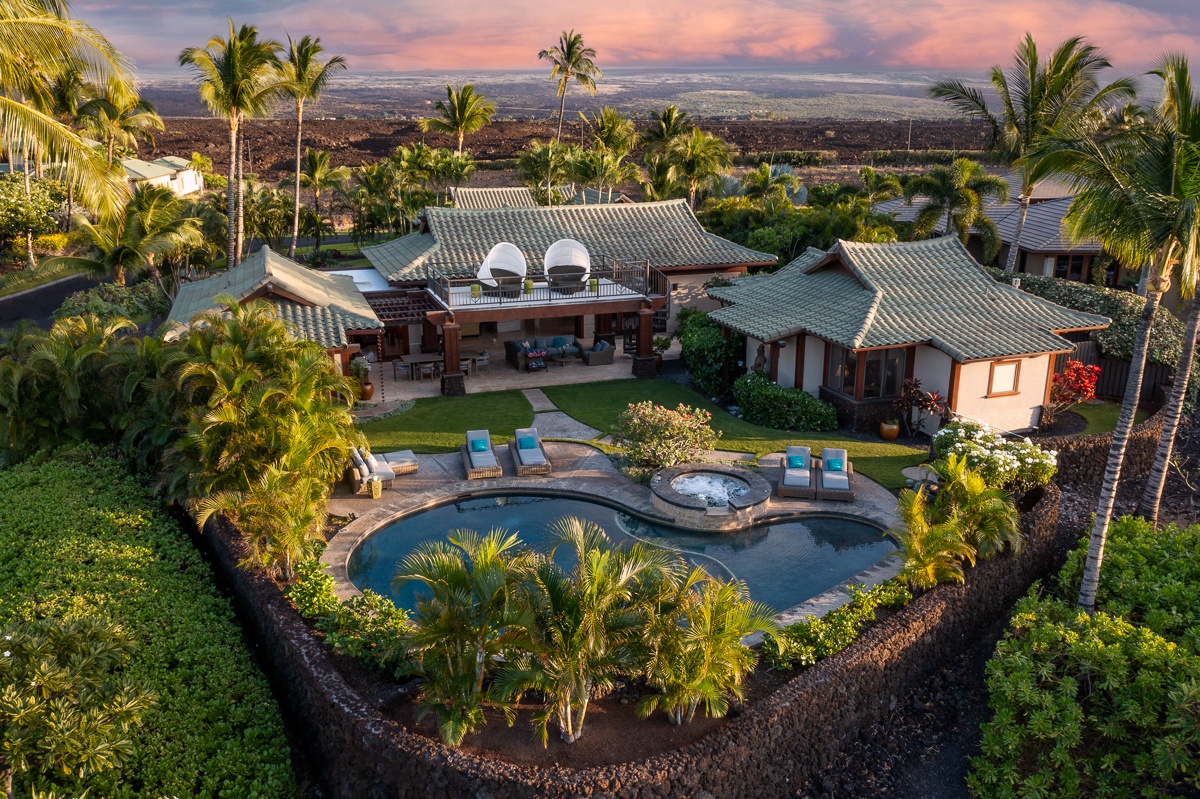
[271, 142]
[1068, 423]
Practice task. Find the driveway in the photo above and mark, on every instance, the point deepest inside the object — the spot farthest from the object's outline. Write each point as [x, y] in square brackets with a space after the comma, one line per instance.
[39, 304]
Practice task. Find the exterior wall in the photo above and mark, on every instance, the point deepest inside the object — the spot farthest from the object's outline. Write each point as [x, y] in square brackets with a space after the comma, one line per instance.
[932, 368]
[690, 293]
[787, 364]
[814, 365]
[1014, 412]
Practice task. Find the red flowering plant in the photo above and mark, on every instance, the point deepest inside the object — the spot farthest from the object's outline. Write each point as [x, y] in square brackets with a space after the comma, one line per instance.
[925, 403]
[1074, 384]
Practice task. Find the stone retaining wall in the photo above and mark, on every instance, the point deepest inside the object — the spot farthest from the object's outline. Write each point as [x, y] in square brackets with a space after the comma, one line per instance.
[764, 752]
[1082, 459]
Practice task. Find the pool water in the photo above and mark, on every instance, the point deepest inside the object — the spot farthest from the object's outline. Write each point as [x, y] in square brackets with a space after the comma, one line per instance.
[782, 564]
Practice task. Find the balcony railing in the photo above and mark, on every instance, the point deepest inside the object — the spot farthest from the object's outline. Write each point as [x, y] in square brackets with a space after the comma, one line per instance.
[610, 280]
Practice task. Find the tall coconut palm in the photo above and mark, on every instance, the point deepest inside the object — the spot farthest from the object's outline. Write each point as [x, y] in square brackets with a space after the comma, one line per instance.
[662, 179]
[956, 196]
[464, 111]
[699, 158]
[304, 77]
[118, 117]
[1038, 102]
[238, 80]
[571, 60]
[36, 39]
[319, 176]
[153, 225]
[665, 128]
[1137, 193]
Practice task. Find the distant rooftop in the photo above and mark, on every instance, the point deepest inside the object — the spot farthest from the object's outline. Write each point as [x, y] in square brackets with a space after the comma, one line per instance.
[477, 199]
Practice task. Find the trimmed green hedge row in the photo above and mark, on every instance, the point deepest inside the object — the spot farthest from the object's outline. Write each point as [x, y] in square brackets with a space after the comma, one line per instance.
[771, 405]
[794, 158]
[79, 536]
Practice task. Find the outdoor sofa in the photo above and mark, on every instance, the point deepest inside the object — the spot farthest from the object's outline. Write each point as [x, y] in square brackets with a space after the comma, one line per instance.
[516, 350]
[365, 467]
[796, 474]
[479, 457]
[834, 475]
[528, 453]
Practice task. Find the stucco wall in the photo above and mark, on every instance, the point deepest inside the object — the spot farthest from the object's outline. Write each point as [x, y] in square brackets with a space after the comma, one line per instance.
[1014, 412]
[814, 365]
[932, 368]
[690, 293]
[787, 364]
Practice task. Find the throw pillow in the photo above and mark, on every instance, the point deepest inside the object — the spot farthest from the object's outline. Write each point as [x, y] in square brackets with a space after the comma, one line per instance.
[524, 344]
[526, 442]
[604, 345]
[795, 462]
[479, 445]
[598, 346]
[559, 342]
[833, 465]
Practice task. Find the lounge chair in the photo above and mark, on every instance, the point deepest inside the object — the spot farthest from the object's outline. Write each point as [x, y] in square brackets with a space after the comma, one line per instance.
[479, 457]
[796, 474]
[365, 467]
[834, 475]
[401, 462]
[601, 352]
[528, 453]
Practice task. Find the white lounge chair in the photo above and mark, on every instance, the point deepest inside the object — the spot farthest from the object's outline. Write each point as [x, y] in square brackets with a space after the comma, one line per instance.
[796, 474]
[528, 453]
[835, 472]
[478, 456]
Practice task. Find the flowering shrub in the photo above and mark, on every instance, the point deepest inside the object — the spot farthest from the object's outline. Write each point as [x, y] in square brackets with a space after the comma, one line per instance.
[1076, 383]
[925, 403]
[770, 405]
[1014, 465]
[655, 437]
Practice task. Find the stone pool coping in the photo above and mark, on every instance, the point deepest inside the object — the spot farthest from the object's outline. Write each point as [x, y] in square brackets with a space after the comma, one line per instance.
[583, 472]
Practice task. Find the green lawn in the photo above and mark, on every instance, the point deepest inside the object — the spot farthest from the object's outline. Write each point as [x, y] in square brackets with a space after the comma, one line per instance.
[17, 284]
[599, 404]
[1102, 416]
[439, 424]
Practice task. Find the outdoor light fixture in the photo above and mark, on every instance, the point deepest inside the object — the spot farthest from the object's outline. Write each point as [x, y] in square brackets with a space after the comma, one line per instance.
[781, 343]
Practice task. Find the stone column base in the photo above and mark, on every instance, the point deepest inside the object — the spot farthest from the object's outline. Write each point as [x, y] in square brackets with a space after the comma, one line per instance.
[454, 385]
[645, 368]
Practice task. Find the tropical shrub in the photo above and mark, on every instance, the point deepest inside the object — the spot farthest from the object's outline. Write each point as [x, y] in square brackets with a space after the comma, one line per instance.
[110, 301]
[1013, 465]
[82, 538]
[51, 242]
[1075, 384]
[1088, 706]
[21, 214]
[705, 351]
[806, 642]
[914, 401]
[771, 405]
[656, 437]
[795, 158]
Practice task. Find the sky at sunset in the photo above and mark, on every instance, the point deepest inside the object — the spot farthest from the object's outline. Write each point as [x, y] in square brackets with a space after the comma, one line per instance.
[381, 35]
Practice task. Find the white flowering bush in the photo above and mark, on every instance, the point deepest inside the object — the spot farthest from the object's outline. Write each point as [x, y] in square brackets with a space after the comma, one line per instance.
[1013, 465]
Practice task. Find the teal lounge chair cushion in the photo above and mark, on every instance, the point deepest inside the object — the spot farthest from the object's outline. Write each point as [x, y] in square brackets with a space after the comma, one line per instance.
[526, 442]
[833, 465]
[795, 462]
[479, 445]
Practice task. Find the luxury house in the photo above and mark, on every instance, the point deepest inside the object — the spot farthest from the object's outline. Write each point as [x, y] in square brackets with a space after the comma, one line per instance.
[171, 171]
[322, 307]
[849, 325]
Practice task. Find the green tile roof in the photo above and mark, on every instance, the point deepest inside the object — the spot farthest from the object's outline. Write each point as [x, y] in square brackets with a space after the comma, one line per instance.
[519, 197]
[880, 295]
[326, 305]
[146, 170]
[666, 234]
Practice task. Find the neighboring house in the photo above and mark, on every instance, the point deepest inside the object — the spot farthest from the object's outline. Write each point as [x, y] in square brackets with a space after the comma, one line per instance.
[590, 196]
[850, 325]
[322, 307]
[173, 172]
[641, 258]
[478, 199]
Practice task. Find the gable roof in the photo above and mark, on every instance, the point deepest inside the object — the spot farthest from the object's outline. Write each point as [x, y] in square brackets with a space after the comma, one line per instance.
[320, 306]
[666, 234]
[137, 169]
[887, 295]
[519, 197]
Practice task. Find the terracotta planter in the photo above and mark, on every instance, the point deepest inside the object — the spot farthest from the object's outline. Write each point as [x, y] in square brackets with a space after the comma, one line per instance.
[889, 432]
[368, 391]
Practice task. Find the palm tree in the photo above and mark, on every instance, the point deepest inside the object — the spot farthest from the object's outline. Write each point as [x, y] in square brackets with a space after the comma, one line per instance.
[318, 176]
[237, 82]
[764, 183]
[698, 158]
[612, 130]
[570, 59]
[933, 552]
[153, 225]
[542, 165]
[879, 186]
[117, 116]
[304, 77]
[987, 517]
[662, 178]
[584, 625]
[1038, 102]
[36, 39]
[665, 128]
[1137, 194]
[463, 111]
[469, 613]
[956, 196]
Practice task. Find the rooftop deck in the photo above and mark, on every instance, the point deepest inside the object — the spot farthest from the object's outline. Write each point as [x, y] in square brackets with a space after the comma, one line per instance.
[617, 281]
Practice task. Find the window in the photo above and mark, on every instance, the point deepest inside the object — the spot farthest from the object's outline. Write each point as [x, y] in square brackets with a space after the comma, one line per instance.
[883, 371]
[1071, 267]
[843, 368]
[1004, 378]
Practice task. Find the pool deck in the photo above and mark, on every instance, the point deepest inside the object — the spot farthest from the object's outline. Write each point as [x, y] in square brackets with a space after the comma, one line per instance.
[583, 472]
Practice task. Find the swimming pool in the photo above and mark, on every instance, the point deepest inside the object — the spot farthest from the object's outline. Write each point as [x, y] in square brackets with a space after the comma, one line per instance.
[783, 564]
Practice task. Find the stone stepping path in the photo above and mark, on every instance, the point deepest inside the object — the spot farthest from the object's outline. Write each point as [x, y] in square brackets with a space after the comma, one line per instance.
[556, 424]
[538, 399]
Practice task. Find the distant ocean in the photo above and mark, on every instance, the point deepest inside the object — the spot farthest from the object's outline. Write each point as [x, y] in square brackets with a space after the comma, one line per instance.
[798, 93]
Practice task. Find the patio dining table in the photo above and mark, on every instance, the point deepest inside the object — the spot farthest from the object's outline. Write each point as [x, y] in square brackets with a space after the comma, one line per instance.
[415, 360]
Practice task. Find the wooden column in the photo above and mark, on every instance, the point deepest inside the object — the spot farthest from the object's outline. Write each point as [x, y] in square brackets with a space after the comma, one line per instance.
[579, 326]
[801, 346]
[604, 327]
[955, 373]
[428, 336]
[860, 374]
[450, 332]
[645, 335]
[773, 360]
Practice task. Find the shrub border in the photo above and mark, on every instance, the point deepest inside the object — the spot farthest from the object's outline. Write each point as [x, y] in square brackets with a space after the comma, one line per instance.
[766, 750]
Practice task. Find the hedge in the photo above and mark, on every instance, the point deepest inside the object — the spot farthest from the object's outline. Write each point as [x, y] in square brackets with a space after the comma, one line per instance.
[79, 536]
[110, 301]
[770, 405]
[793, 158]
[922, 157]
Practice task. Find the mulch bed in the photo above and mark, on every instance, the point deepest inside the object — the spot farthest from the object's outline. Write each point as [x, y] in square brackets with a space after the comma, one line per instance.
[1068, 423]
